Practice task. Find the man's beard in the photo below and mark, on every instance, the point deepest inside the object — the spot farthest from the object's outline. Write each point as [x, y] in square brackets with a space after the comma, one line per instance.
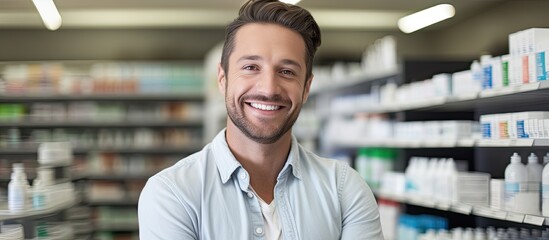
[254, 132]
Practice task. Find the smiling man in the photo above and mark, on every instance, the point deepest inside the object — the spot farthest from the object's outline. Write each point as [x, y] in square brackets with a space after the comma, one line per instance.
[254, 181]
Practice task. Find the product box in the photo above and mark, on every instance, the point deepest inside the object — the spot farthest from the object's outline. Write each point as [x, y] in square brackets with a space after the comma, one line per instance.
[463, 84]
[472, 188]
[443, 85]
[505, 77]
[525, 123]
[497, 72]
[542, 65]
[486, 122]
[527, 48]
[497, 193]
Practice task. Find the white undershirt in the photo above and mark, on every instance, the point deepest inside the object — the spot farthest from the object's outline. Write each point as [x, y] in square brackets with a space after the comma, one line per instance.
[273, 230]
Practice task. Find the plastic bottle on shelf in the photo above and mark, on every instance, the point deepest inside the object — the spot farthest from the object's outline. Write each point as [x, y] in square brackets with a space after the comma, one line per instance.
[17, 188]
[516, 177]
[450, 178]
[362, 164]
[410, 174]
[41, 188]
[534, 182]
[545, 191]
[546, 159]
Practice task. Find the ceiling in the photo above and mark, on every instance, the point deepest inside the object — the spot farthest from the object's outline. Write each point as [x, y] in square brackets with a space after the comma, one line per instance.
[341, 14]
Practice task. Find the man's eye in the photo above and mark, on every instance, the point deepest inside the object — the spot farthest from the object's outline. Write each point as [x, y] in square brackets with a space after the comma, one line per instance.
[287, 72]
[250, 68]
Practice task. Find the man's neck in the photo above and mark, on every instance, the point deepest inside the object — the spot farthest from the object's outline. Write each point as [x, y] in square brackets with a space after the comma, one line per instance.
[263, 162]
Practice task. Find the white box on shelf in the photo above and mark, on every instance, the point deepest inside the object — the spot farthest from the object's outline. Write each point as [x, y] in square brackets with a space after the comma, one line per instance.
[542, 65]
[472, 188]
[497, 190]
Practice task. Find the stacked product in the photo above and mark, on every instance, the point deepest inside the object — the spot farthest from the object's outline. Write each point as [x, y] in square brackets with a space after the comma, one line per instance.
[410, 227]
[373, 163]
[101, 78]
[11, 232]
[489, 233]
[380, 132]
[438, 180]
[520, 125]
[521, 188]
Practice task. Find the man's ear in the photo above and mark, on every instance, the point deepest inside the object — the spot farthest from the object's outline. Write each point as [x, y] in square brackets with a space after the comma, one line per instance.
[307, 88]
[221, 79]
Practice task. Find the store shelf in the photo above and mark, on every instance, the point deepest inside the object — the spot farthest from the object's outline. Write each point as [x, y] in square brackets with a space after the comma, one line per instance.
[180, 96]
[354, 80]
[119, 202]
[110, 227]
[445, 144]
[406, 144]
[114, 176]
[140, 150]
[468, 209]
[538, 92]
[102, 124]
[513, 143]
[6, 214]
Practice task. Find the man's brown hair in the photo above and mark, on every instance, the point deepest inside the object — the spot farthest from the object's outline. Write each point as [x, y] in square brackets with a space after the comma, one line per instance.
[276, 12]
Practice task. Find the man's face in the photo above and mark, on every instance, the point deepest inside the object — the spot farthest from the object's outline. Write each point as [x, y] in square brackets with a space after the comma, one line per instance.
[265, 85]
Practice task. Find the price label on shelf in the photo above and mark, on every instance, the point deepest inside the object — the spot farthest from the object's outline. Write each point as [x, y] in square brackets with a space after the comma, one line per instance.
[535, 220]
[500, 214]
[462, 208]
[443, 206]
[515, 217]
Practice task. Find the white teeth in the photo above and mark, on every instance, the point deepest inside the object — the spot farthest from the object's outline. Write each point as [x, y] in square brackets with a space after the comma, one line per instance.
[265, 107]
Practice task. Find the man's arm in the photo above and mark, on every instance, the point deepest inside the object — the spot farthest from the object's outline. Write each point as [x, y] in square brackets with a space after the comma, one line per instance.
[359, 209]
[162, 215]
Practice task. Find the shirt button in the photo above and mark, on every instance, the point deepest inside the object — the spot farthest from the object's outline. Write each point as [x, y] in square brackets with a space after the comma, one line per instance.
[259, 230]
[243, 175]
[250, 195]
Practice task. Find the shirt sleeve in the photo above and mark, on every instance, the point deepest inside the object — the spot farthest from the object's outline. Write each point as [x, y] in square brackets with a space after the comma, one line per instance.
[161, 214]
[360, 214]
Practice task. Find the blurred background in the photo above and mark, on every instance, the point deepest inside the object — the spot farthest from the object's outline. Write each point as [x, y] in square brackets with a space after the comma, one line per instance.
[130, 85]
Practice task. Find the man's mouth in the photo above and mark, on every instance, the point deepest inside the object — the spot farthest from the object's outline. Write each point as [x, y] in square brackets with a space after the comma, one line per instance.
[265, 107]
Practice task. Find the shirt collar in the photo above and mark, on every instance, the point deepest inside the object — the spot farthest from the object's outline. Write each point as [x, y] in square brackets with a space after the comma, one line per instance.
[227, 163]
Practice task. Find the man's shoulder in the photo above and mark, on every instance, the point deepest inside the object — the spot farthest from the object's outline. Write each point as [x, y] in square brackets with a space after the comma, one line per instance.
[190, 167]
[316, 160]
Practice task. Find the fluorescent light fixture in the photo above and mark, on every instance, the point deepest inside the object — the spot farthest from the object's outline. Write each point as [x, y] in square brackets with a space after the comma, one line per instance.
[424, 18]
[49, 14]
[293, 2]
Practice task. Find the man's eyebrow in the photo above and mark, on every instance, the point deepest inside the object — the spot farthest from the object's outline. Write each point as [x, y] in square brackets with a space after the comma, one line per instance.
[291, 62]
[249, 57]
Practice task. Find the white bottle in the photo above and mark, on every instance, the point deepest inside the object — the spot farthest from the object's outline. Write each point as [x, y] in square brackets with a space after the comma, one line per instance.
[534, 183]
[17, 188]
[516, 177]
[411, 176]
[41, 188]
[451, 176]
[534, 172]
[545, 191]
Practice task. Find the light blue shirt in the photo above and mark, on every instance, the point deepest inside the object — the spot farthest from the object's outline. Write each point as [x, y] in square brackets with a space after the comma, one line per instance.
[208, 196]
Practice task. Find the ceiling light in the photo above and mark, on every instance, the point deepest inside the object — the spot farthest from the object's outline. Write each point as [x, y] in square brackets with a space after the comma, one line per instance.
[293, 2]
[424, 18]
[49, 14]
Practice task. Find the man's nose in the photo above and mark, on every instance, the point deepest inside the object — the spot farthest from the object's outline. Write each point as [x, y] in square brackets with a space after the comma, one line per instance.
[268, 83]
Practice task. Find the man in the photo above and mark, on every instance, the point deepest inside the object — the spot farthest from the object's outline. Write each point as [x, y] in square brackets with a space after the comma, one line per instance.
[254, 181]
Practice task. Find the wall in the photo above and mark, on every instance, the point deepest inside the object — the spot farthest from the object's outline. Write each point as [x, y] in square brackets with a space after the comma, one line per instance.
[485, 31]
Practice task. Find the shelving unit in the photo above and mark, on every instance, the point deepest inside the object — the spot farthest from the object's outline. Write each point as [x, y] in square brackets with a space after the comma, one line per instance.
[468, 209]
[483, 155]
[144, 116]
[6, 215]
